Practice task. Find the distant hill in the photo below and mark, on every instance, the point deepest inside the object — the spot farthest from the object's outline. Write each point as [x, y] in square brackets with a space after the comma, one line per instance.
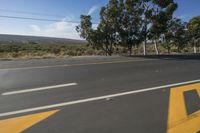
[6, 38]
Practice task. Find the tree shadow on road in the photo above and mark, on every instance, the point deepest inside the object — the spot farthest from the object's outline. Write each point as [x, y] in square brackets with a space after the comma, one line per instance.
[170, 57]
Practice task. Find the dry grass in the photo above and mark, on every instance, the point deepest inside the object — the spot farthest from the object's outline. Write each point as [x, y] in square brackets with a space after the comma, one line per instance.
[30, 51]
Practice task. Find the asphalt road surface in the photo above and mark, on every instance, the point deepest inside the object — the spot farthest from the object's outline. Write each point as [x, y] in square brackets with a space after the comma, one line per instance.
[101, 95]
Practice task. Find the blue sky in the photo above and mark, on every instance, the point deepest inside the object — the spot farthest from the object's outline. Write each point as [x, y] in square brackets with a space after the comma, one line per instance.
[65, 10]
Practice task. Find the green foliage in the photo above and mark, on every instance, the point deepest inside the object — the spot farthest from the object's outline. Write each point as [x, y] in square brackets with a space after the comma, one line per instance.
[130, 24]
[194, 31]
[85, 27]
[127, 23]
[162, 13]
[105, 35]
[180, 35]
[124, 25]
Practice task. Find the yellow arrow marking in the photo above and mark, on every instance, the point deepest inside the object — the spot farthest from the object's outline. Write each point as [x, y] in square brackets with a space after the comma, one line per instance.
[178, 120]
[19, 124]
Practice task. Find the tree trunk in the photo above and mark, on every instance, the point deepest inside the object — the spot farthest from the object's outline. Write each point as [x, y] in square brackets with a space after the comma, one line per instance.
[156, 47]
[168, 50]
[195, 49]
[179, 51]
[168, 47]
[130, 50]
[144, 47]
[106, 50]
[111, 49]
[110, 53]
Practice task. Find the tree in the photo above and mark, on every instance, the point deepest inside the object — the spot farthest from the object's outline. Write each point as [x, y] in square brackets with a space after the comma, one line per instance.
[105, 36]
[146, 22]
[194, 32]
[168, 41]
[162, 13]
[168, 36]
[107, 27]
[130, 23]
[180, 34]
[85, 28]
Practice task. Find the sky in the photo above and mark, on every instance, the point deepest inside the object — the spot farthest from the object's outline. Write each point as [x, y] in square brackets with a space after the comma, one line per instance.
[63, 11]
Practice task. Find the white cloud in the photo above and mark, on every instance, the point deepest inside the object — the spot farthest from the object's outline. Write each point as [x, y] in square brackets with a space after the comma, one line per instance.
[62, 29]
[94, 26]
[92, 10]
[35, 28]
[184, 17]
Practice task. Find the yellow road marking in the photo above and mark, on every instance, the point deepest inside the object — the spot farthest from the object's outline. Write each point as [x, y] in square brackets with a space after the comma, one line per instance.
[65, 65]
[19, 124]
[178, 120]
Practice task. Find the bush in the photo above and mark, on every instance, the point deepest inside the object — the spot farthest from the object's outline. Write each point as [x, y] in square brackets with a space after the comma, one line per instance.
[34, 50]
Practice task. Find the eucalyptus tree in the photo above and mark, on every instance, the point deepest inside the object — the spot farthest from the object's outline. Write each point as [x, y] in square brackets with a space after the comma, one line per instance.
[105, 36]
[162, 13]
[180, 34]
[108, 26]
[130, 22]
[169, 35]
[85, 27]
[146, 22]
[194, 32]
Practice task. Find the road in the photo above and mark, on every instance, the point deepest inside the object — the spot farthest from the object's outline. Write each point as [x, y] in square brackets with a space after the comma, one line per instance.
[101, 95]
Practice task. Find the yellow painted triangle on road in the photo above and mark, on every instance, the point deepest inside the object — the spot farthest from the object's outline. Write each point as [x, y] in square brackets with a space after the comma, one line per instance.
[19, 124]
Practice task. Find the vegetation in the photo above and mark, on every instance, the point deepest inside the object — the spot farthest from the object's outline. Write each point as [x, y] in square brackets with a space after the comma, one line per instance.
[129, 23]
[126, 27]
[30, 50]
[194, 32]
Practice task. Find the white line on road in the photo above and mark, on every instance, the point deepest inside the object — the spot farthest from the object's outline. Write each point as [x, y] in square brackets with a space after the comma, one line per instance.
[94, 99]
[38, 89]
